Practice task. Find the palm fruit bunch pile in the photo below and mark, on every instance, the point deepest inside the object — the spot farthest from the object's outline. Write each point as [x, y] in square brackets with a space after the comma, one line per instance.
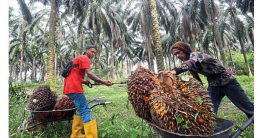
[182, 106]
[140, 83]
[176, 105]
[64, 103]
[42, 99]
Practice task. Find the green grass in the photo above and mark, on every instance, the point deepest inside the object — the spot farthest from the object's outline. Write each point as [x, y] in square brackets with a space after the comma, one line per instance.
[229, 111]
[118, 119]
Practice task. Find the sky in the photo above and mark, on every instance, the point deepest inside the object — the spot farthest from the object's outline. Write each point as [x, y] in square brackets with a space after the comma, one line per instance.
[4, 61]
[13, 3]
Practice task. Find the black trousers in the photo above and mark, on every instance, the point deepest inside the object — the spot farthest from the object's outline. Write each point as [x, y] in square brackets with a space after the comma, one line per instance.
[236, 95]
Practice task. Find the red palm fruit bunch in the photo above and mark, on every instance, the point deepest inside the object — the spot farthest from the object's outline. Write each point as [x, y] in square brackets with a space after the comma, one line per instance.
[182, 106]
[140, 83]
[42, 99]
[64, 103]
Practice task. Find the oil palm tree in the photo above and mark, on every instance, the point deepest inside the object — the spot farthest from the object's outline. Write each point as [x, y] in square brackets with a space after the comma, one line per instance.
[140, 21]
[27, 25]
[55, 4]
[210, 9]
[245, 6]
[156, 36]
[240, 31]
[51, 45]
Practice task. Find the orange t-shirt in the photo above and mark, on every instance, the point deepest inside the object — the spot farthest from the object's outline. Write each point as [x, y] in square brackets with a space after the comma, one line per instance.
[73, 82]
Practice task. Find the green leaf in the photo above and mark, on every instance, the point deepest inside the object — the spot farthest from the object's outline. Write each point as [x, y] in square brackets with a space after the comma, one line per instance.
[112, 119]
[13, 134]
[133, 135]
[179, 120]
[13, 99]
[185, 126]
[199, 99]
[140, 130]
[103, 134]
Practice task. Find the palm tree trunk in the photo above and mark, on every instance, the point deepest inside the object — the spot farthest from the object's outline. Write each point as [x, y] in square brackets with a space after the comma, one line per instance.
[56, 65]
[94, 27]
[25, 73]
[230, 53]
[107, 56]
[56, 51]
[35, 77]
[57, 45]
[149, 57]
[112, 52]
[215, 49]
[44, 73]
[128, 66]
[217, 36]
[83, 40]
[40, 73]
[15, 78]
[112, 62]
[12, 74]
[174, 61]
[145, 31]
[251, 36]
[192, 43]
[152, 59]
[122, 60]
[219, 43]
[157, 39]
[245, 56]
[33, 69]
[22, 57]
[166, 64]
[151, 44]
[17, 74]
[242, 44]
[169, 62]
[51, 45]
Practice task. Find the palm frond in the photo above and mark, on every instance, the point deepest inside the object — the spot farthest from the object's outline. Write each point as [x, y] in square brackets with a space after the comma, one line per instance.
[25, 11]
[44, 2]
[36, 19]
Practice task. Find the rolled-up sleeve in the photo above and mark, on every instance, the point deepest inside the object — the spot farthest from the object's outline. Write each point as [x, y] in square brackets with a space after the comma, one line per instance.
[187, 65]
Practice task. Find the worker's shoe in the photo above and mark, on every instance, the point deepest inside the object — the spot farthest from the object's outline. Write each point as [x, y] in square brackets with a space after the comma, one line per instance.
[77, 125]
[90, 129]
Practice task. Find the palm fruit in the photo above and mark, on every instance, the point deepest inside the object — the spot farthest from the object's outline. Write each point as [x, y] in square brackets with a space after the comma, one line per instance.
[64, 103]
[140, 83]
[182, 106]
[42, 99]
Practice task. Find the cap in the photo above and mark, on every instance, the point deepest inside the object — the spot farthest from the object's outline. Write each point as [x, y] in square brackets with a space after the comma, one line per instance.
[90, 46]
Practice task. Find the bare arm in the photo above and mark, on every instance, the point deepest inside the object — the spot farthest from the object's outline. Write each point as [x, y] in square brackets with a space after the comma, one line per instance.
[95, 78]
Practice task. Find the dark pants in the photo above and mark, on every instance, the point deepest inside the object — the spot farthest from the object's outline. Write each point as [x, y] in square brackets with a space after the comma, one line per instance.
[235, 93]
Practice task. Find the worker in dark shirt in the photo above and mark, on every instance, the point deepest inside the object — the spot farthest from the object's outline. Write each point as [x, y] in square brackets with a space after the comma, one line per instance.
[220, 82]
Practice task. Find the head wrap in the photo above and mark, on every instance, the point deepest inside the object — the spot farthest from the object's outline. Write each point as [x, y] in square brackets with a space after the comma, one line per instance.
[182, 47]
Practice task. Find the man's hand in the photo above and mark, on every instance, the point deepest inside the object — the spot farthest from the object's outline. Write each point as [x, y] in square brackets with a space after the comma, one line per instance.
[107, 83]
[86, 82]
